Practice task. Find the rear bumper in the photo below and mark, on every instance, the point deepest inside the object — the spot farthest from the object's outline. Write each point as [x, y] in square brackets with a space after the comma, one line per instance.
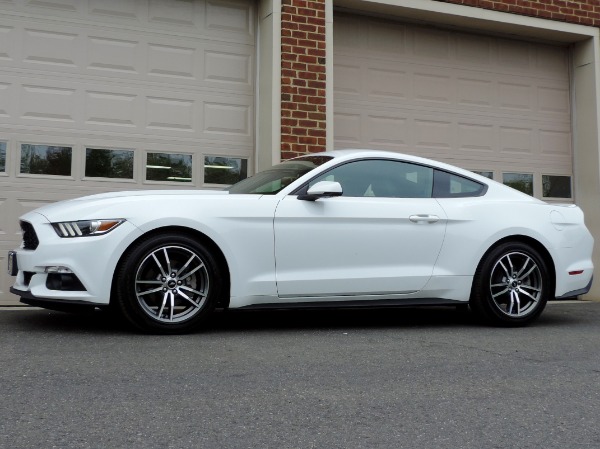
[581, 291]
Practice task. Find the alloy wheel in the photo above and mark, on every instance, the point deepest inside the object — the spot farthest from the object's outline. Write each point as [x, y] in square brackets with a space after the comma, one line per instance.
[172, 284]
[516, 284]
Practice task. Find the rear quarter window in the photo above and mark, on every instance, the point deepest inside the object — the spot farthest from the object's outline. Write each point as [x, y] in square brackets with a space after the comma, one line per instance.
[450, 185]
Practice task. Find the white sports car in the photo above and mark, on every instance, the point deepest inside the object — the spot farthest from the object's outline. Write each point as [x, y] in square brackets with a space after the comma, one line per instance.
[341, 228]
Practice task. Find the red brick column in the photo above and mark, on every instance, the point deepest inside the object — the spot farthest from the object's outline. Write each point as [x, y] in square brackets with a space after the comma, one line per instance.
[584, 12]
[303, 121]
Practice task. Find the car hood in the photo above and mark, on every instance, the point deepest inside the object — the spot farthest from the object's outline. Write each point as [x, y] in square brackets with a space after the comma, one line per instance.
[122, 204]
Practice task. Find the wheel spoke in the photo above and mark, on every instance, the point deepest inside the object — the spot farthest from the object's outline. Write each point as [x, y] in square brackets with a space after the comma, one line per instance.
[531, 288]
[148, 282]
[190, 300]
[172, 305]
[514, 299]
[528, 273]
[147, 292]
[186, 265]
[505, 269]
[187, 275]
[189, 289]
[524, 267]
[501, 293]
[162, 307]
[159, 265]
[533, 298]
[168, 261]
[512, 267]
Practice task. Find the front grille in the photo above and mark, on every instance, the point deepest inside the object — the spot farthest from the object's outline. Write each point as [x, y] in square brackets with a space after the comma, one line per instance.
[30, 240]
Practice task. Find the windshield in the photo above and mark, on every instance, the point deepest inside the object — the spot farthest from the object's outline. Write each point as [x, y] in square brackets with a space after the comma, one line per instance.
[271, 181]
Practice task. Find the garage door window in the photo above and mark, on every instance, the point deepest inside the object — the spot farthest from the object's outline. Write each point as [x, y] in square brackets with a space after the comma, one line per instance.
[555, 186]
[46, 159]
[102, 163]
[2, 157]
[224, 170]
[484, 173]
[519, 181]
[169, 167]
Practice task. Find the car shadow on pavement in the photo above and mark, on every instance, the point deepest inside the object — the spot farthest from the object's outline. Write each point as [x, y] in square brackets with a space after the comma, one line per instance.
[102, 322]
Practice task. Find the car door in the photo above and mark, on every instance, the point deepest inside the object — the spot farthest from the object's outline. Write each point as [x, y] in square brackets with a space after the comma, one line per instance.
[381, 237]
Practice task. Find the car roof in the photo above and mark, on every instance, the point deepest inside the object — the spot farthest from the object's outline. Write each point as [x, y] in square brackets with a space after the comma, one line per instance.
[358, 153]
[494, 188]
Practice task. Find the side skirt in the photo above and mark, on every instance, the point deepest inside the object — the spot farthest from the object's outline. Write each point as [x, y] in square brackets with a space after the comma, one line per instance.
[377, 303]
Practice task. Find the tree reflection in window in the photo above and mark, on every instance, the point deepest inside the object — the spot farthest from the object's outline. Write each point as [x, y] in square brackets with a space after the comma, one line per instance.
[169, 167]
[2, 157]
[556, 186]
[46, 160]
[519, 181]
[224, 170]
[102, 163]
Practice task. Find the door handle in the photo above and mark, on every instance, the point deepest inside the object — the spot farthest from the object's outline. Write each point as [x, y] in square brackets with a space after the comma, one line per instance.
[424, 218]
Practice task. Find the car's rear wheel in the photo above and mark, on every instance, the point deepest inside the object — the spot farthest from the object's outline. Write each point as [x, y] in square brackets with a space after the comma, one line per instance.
[167, 284]
[512, 285]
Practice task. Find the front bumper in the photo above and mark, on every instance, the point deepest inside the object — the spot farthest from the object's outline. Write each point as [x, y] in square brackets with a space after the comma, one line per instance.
[91, 262]
[63, 305]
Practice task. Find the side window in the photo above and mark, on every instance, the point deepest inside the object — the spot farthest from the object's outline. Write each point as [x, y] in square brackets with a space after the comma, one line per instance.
[382, 179]
[448, 185]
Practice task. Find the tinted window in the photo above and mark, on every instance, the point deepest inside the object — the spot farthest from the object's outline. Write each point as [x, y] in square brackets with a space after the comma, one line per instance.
[224, 170]
[556, 186]
[46, 160]
[169, 167]
[381, 178]
[449, 185]
[271, 181]
[519, 181]
[103, 163]
[2, 156]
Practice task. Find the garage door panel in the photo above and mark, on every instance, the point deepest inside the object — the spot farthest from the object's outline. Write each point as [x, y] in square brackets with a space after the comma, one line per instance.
[91, 106]
[225, 19]
[93, 94]
[432, 87]
[347, 128]
[475, 138]
[197, 62]
[411, 86]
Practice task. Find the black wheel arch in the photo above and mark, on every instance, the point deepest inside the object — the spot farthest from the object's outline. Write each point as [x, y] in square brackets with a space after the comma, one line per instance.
[194, 234]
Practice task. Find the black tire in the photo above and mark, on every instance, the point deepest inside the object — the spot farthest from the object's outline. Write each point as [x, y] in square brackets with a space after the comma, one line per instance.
[167, 284]
[511, 286]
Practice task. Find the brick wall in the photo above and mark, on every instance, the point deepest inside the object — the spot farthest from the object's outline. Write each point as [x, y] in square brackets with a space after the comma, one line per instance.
[302, 77]
[585, 12]
[303, 60]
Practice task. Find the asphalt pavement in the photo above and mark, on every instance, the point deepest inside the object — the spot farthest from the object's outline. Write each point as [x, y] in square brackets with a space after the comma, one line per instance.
[401, 378]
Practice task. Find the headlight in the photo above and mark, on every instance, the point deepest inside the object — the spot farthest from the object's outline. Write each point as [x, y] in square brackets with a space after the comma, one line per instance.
[85, 228]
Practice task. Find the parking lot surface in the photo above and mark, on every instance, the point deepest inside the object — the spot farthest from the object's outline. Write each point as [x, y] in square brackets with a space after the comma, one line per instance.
[400, 378]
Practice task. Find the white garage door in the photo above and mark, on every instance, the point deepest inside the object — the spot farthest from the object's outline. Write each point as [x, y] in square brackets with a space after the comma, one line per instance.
[488, 104]
[120, 94]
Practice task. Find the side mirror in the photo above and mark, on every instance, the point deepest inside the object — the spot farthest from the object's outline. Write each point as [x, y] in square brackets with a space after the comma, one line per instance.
[322, 189]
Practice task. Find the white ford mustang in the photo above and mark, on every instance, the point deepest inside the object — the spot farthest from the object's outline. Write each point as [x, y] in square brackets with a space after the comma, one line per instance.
[341, 228]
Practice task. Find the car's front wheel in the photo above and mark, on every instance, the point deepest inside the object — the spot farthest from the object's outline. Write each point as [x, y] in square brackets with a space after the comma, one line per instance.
[167, 284]
[512, 285]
